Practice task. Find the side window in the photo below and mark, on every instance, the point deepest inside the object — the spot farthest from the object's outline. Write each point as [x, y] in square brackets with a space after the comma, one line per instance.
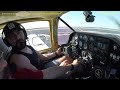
[38, 34]
[63, 33]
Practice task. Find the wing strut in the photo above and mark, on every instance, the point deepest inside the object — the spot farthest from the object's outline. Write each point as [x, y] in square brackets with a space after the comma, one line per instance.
[66, 24]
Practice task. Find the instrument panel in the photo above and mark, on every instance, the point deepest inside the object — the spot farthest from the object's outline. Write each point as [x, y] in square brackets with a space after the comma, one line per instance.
[96, 47]
[101, 51]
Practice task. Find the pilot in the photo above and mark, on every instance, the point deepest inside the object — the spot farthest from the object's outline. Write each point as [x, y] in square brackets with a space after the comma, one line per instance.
[24, 73]
[25, 62]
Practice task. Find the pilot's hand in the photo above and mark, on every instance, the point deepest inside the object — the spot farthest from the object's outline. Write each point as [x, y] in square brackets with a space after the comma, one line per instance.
[59, 51]
[64, 63]
[77, 69]
[77, 63]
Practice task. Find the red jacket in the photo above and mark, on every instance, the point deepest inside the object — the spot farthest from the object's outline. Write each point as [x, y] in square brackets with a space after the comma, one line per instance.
[27, 74]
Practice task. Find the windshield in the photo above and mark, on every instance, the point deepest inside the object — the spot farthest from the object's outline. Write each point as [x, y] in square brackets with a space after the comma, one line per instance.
[105, 22]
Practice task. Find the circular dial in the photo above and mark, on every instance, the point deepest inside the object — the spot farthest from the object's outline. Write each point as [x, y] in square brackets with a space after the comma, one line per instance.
[114, 47]
[80, 43]
[85, 46]
[91, 39]
[91, 46]
[85, 38]
[81, 37]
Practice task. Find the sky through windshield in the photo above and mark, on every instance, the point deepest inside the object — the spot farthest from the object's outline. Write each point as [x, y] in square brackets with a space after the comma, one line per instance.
[102, 19]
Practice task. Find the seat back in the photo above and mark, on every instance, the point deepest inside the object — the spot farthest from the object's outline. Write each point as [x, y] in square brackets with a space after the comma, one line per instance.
[3, 48]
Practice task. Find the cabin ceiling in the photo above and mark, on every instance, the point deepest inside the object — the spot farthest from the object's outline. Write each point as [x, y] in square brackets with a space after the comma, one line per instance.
[6, 16]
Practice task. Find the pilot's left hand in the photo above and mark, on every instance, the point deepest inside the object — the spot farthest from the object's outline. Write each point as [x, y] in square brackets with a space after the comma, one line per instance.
[59, 51]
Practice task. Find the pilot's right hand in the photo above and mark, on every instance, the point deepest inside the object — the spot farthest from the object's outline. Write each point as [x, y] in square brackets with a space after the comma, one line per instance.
[78, 65]
[65, 63]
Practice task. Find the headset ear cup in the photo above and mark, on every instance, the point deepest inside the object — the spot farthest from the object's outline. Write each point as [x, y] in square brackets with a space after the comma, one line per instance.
[6, 42]
[25, 33]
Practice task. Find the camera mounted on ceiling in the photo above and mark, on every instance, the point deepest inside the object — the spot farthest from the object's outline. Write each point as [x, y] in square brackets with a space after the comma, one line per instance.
[88, 16]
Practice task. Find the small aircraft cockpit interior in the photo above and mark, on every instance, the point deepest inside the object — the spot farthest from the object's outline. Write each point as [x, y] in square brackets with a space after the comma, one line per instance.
[93, 36]
[98, 45]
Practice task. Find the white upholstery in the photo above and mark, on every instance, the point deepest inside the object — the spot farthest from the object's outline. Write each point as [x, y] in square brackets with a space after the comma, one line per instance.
[4, 48]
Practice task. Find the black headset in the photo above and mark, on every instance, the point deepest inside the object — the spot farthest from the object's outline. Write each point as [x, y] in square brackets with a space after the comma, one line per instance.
[13, 23]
